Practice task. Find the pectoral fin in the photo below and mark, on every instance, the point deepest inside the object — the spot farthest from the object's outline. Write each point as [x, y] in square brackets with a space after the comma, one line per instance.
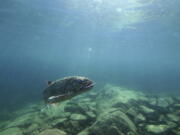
[53, 99]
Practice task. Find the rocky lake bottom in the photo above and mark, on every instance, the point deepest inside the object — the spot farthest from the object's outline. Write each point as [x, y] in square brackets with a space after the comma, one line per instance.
[113, 110]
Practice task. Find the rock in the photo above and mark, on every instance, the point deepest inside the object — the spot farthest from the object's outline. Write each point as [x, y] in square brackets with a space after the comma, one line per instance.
[84, 132]
[75, 125]
[91, 115]
[85, 100]
[116, 97]
[176, 99]
[132, 112]
[12, 131]
[157, 129]
[86, 109]
[177, 112]
[152, 101]
[58, 121]
[171, 124]
[32, 128]
[124, 107]
[170, 100]
[176, 131]
[164, 102]
[23, 120]
[111, 111]
[139, 118]
[112, 122]
[74, 108]
[56, 110]
[78, 117]
[146, 110]
[135, 115]
[162, 118]
[176, 106]
[120, 94]
[173, 117]
[52, 132]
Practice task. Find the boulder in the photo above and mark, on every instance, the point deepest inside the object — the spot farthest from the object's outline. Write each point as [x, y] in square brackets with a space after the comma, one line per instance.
[113, 122]
[173, 117]
[176, 131]
[162, 118]
[117, 97]
[33, 127]
[176, 106]
[78, 117]
[122, 106]
[91, 115]
[132, 112]
[152, 100]
[157, 129]
[139, 118]
[149, 113]
[86, 109]
[164, 102]
[12, 131]
[171, 124]
[58, 121]
[146, 109]
[52, 132]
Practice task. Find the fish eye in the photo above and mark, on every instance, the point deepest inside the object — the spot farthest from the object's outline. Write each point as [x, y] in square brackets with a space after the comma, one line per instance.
[80, 81]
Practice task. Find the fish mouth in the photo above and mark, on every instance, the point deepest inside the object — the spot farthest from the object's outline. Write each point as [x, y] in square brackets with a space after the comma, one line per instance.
[89, 85]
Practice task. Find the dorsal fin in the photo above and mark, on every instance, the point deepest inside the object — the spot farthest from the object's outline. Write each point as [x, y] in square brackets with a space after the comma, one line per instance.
[49, 82]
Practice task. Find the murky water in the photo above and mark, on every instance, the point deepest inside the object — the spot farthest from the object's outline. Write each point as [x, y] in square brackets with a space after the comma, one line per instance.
[128, 43]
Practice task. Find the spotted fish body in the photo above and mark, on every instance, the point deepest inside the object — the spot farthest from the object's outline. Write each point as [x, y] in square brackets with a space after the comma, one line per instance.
[66, 88]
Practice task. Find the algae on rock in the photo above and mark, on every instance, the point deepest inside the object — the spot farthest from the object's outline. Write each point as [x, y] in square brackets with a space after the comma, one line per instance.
[113, 122]
[112, 110]
[157, 128]
[52, 132]
[12, 131]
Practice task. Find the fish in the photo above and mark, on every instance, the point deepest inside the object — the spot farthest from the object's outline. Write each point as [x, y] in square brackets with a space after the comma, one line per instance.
[66, 88]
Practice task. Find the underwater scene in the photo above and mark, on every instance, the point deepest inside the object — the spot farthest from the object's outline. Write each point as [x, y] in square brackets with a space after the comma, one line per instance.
[89, 67]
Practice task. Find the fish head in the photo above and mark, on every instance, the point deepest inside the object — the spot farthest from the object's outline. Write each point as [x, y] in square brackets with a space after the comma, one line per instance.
[83, 84]
[66, 88]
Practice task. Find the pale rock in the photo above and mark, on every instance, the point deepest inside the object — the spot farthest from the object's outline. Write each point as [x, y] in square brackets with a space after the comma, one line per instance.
[78, 117]
[157, 129]
[52, 132]
[12, 131]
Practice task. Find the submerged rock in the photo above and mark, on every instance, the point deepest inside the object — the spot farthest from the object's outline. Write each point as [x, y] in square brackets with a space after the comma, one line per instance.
[177, 106]
[31, 128]
[164, 102]
[110, 111]
[132, 112]
[139, 118]
[58, 122]
[146, 110]
[157, 129]
[113, 122]
[173, 117]
[52, 132]
[176, 131]
[171, 124]
[12, 131]
[118, 97]
[78, 117]
[149, 113]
